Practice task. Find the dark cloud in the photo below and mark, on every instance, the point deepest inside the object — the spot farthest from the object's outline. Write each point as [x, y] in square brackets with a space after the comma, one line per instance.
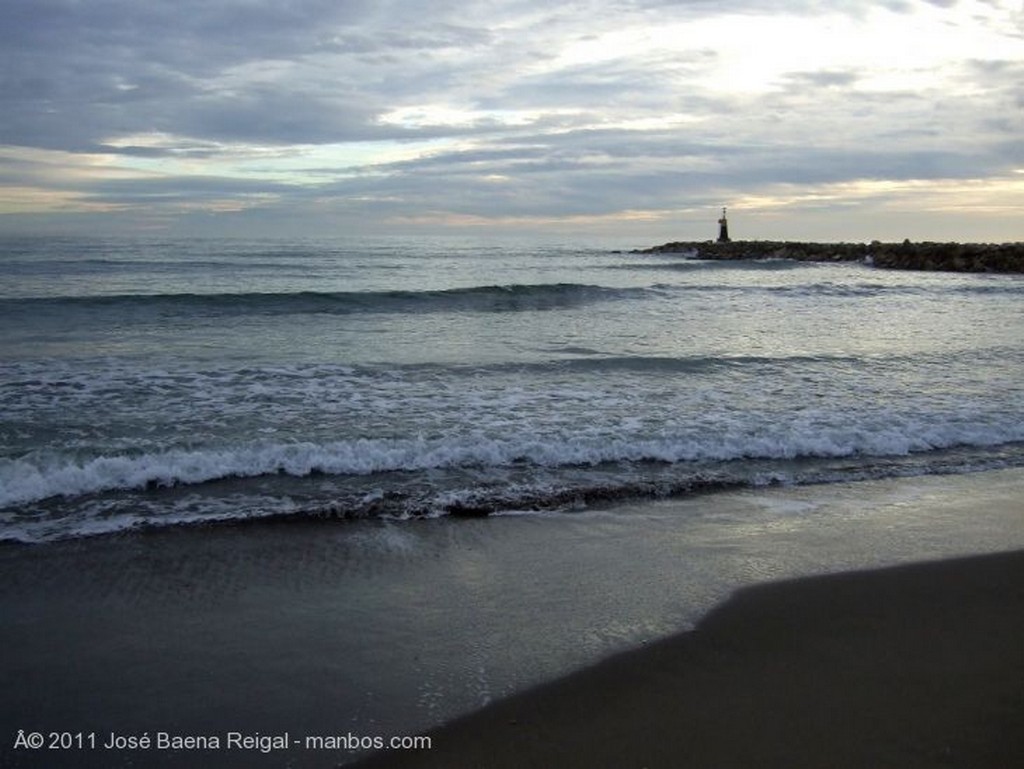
[822, 79]
[75, 74]
[190, 36]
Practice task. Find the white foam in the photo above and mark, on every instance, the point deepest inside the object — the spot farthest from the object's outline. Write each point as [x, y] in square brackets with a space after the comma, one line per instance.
[35, 477]
[99, 517]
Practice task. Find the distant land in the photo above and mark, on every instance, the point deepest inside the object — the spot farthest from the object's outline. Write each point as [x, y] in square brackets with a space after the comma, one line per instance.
[955, 257]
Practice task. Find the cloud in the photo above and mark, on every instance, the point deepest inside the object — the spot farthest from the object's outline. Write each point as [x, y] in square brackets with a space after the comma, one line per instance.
[822, 79]
[76, 74]
[500, 109]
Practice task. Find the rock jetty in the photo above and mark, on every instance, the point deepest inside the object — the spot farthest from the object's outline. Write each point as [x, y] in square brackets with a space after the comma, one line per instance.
[955, 257]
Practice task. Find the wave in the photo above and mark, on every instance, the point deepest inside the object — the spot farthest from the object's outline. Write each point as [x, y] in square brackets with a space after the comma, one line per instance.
[886, 283]
[283, 500]
[22, 380]
[33, 477]
[827, 288]
[596, 362]
[856, 290]
[486, 298]
[492, 298]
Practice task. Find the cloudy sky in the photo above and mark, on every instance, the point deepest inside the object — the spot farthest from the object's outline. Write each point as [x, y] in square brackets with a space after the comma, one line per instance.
[635, 118]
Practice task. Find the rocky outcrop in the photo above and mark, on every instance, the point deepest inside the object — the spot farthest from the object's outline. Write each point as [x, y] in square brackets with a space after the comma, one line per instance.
[958, 257]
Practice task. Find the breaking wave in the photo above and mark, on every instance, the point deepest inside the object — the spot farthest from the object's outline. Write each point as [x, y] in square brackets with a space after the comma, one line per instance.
[32, 478]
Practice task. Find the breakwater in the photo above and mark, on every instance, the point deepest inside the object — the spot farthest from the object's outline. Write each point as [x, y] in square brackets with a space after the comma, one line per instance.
[956, 257]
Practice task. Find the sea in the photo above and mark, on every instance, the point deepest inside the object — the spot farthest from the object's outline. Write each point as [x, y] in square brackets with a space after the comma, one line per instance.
[343, 488]
[150, 383]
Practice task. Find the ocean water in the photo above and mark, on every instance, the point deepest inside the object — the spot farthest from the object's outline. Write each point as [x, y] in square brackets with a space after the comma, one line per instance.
[150, 383]
[649, 433]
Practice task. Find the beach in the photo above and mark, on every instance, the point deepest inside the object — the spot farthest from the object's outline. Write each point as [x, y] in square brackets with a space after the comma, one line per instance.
[913, 666]
[271, 504]
[336, 629]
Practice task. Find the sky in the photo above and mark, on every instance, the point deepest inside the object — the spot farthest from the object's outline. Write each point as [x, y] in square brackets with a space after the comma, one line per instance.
[635, 119]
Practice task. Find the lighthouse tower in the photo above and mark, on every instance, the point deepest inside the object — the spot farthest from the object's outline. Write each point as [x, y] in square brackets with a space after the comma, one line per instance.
[723, 229]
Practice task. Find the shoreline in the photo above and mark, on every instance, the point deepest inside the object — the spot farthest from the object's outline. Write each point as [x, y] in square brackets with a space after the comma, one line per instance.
[373, 628]
[949, 257]
[918, 665]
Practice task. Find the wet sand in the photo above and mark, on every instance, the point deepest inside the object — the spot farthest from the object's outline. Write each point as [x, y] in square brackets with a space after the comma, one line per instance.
[913, 666]
[387, 628]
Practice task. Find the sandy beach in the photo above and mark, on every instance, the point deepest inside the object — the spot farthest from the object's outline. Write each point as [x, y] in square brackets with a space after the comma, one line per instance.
[914, 666]
[465, 631]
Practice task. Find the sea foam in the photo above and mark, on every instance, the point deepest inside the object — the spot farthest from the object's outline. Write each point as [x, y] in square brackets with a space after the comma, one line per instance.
[31, 478]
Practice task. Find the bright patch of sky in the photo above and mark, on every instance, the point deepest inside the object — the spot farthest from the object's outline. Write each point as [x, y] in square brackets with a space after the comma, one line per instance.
[295, 164]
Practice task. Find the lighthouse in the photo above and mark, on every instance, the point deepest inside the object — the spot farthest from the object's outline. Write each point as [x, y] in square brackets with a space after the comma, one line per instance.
[723, 229]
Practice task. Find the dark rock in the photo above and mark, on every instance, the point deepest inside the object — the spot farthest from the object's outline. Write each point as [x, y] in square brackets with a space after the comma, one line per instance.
[958, 257]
